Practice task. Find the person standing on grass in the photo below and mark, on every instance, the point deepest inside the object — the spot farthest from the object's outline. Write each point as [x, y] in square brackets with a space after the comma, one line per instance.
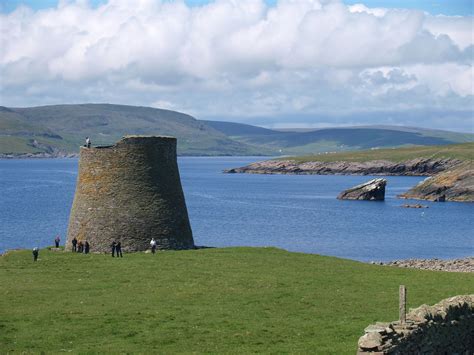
[80, 247]
[153, 245]
[74, 244]
[35, 253]
[86, 247]
[113, 246]
[118, 249]
[57, 240]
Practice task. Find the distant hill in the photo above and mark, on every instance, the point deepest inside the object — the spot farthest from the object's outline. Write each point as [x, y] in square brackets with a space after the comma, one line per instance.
[337, 139]
[60, 129]
[463, 152]
[63, 128]
[239, 129]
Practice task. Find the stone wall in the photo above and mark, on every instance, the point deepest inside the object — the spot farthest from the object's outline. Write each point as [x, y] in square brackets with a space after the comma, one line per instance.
[130, 192]
[445, 328]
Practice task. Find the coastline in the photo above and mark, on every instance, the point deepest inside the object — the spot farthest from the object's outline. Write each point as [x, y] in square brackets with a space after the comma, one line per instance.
[450, 265]
[413, 167]
[39, 156]
[448, 179]
[76, 156]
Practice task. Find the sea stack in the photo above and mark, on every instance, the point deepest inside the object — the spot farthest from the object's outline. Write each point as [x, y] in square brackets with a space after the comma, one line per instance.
[373, 190]
[130, 192]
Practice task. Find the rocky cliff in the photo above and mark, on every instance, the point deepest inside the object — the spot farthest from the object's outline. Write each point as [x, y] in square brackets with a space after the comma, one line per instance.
[414, 167]
[455, 184]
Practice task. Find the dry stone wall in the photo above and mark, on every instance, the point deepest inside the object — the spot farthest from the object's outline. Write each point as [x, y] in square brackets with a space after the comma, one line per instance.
[130, 192]
[445, 328]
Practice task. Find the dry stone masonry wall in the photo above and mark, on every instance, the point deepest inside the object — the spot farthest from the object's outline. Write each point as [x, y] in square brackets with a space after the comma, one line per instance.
[445, 328]
[130, 192]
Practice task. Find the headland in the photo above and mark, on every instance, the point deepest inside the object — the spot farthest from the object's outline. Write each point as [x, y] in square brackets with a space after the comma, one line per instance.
[450, 166]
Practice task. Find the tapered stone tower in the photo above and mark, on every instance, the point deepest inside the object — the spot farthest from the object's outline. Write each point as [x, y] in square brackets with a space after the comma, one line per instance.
[130, 192]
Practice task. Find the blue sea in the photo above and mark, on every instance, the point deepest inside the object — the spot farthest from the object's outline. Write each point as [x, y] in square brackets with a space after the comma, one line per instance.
[295, 212]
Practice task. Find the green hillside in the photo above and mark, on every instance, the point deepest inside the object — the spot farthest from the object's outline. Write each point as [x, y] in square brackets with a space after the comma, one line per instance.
[337, 139]
[464, 151]
[234, 129]
[64, 128]
[219, 301]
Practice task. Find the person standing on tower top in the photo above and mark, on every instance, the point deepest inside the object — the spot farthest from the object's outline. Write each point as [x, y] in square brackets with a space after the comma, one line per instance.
[88, 142]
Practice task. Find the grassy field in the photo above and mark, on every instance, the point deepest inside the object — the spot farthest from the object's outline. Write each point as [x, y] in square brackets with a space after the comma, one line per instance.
[464, 151]
[233, 300]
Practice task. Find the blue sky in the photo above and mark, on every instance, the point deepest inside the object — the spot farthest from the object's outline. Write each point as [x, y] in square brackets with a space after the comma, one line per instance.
[435, 7]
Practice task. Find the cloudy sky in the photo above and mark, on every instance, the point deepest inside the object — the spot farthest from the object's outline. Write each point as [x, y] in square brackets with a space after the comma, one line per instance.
[301, 63]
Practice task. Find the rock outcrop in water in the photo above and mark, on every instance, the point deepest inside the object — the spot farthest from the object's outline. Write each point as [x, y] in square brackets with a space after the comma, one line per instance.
[130, 192]
[373, 190]
[455, 184]
[414, 167]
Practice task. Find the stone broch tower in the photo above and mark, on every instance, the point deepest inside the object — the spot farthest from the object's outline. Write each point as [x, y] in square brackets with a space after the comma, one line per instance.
[130, 192]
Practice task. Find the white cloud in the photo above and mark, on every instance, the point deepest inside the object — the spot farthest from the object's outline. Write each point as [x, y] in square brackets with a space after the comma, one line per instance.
[459, 29]
[379, 12]
[239, 59]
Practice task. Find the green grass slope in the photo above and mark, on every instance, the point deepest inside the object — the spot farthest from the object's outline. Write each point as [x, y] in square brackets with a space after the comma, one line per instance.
[337, 139]
[68, 125]
[63, 128]
[17, 135]
[463, 151]
[234, 300]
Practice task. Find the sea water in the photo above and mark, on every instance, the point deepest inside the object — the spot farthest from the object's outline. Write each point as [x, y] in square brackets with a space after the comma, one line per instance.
[294, 212]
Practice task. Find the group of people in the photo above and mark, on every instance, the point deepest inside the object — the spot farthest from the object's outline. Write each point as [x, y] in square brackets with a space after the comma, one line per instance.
[80, 246]
[116, 249]
[35, 251]
[84, 247]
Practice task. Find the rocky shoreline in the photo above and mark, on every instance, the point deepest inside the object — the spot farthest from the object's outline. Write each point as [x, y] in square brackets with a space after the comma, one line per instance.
[449, 179]
[39, 156]
[456, 184]
[453, 265]
[414, 167]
